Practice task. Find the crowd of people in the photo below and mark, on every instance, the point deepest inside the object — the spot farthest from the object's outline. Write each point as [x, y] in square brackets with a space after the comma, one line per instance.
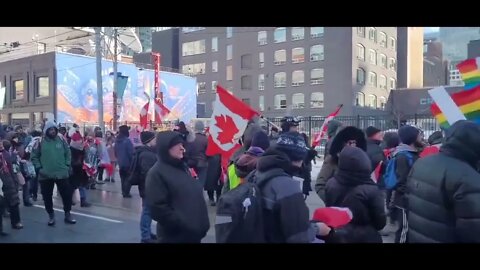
[428, 189]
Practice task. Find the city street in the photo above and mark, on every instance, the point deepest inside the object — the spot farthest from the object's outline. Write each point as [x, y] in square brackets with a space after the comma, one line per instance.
[111, 219]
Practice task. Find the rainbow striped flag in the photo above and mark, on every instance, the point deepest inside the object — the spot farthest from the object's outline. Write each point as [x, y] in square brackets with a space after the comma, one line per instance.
[467, 101]
[469, 69]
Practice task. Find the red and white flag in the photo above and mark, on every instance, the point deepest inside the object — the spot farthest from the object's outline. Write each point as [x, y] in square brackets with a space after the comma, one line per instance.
[160, 111]
[323, 130]
[228, 122]
[334, 217]
[144, 115]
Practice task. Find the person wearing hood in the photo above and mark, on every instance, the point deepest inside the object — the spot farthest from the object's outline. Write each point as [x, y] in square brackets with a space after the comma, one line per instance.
[187, 134]
[124, 152]
[196, 157]
[52, 159]
[332, 128]
[9, 187]
[374, 151]
[79, 178]
[345, 136]
[444, 190]
[435, 142]
[174, 197]
[247, 162]
[285, 213]
[404, 157]
[147, 156]
[22, 136]
[353, 188]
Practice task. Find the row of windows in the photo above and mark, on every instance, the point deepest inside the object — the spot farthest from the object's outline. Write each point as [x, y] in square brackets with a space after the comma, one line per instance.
[373, 58]
[373, 101]
[41, 88]
[381, 38]
[372, 79]
[192, 29]
[280, 34]
[193, 48]
[298, 55]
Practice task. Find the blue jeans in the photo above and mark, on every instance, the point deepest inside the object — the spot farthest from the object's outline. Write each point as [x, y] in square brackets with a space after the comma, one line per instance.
[145, 222]
[83, 193]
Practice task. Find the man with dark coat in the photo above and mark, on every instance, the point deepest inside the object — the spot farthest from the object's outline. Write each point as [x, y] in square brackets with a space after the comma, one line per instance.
[9, 188]
[374, 151]
[353, 188]
[147, 156]
[196, 157]
[345, 136]
[332, 129]
[174, 197]
[444, 190]
[124, 152]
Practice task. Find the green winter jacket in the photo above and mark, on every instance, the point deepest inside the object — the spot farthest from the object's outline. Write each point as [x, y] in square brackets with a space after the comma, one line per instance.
[52, 158]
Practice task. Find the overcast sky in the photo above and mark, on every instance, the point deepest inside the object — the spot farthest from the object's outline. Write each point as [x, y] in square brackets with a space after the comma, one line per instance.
[431, 29]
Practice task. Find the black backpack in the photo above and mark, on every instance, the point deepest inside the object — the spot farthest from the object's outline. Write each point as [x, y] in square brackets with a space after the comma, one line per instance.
[239, 216]
[134, 174]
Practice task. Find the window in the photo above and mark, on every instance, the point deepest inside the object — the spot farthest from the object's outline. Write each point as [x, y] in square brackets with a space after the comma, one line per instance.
[261, 82]
[43, 87]
[383, 60]
[316, 32]
[215, 44]
[193, 48]
[214, 86]
[360, 52]
[372, 34]
[393, 44]
[382, 39]
[298, 55]
[41, 47]
[202, 87]
[372, 79]
[383, 82]
[261, 103]
[246, 82]
[392, 83]
[246, 101]
[18, 90]
[361, 31]
[215, 66]
[316, 76]
[298, 33]
[261, 60]
[194, 69]
[373, 57]
[298, 78]
[229, 32]
[360, 76]
[393, 64]
[280, 57]
[192, 29]
[316, 53]
[298, 101]
[280, 35]
[229, 52]
[280, 102]
[316, 100]
[360, 99]
[372, 101]
[280, 79]
[229, 73]
[246, 61]
[383, 102]
[262, 38]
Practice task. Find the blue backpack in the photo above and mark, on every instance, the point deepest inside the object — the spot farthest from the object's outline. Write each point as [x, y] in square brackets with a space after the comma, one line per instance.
[390, 177]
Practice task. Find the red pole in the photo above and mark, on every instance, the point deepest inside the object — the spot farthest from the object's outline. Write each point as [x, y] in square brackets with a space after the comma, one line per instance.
[158, 92]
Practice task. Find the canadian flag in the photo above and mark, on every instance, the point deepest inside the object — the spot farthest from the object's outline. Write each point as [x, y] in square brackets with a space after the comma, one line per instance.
[160, 111]
[323, 129]
[144, 115]
[334, 217]
[228, 122]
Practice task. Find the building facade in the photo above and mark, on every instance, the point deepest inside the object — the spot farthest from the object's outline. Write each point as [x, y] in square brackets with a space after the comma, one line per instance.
[305, 71]
[165, 42]
[410, 57]
[474, 48]
[435, 68]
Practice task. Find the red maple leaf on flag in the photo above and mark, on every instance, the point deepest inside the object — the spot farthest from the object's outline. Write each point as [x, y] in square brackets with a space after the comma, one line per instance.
[228, 127]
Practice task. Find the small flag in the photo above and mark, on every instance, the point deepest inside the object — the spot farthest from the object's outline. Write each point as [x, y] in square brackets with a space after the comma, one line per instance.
[469, 69]
[334, 217]
[323, 129]
[144, 115]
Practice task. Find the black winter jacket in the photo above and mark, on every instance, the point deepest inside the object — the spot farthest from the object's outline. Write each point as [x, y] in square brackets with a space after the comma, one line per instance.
[353, 188]
[175, 199]
[375, 153]
[444, 190]
[146, 159]
[9, 187]
[286, 216]
[402, 171]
